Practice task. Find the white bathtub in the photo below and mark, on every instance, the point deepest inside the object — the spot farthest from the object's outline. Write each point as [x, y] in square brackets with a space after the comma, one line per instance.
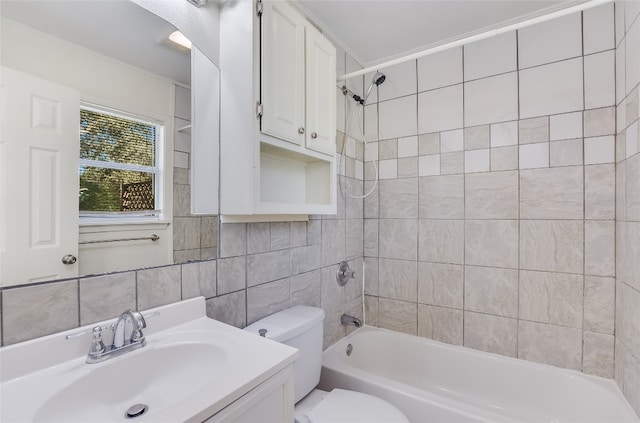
[435, 382]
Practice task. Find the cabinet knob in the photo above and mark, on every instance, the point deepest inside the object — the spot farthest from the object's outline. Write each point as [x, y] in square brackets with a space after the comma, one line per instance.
[314, 135]
[301, 130]
[69, 259]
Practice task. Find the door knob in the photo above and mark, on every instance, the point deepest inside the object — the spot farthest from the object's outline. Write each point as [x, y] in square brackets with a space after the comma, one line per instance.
[314, 135]
[301, 130]
[69, 259]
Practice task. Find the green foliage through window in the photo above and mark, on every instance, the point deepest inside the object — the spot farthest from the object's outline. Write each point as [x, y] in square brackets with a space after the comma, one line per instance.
[117, 162]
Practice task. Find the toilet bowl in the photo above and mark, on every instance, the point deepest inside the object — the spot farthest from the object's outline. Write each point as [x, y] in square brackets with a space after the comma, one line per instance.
[301, 327]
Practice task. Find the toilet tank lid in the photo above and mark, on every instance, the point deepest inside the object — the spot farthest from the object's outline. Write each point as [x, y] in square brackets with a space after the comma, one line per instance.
[287, 324]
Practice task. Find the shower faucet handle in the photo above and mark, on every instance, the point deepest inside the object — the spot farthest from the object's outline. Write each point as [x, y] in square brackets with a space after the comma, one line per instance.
[344, 273]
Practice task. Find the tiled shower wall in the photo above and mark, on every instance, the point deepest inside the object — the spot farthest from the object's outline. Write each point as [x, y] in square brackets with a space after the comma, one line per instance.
[627, 348]
[493, 225]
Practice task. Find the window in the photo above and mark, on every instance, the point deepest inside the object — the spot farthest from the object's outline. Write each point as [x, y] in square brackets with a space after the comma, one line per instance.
[120, 164]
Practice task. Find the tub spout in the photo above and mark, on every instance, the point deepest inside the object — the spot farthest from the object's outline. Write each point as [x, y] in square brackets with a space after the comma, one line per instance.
[347, 319]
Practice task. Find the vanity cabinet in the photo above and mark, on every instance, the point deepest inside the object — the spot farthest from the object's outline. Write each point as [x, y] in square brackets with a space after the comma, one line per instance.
[278, 112]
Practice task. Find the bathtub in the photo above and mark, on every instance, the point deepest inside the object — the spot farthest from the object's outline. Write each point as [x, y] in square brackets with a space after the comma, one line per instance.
[435, 382]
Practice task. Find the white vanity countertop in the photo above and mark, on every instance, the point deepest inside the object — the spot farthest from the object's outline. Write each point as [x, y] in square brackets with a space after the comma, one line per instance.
[191, 368]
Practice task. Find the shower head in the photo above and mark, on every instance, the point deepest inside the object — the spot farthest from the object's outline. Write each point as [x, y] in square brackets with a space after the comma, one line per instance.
[378, 79]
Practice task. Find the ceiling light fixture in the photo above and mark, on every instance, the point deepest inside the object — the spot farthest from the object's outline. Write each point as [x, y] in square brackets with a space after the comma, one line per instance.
[179, 38]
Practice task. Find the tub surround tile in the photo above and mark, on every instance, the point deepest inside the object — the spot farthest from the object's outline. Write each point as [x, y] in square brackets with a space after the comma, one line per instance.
[388, 149]
[441, 284]
[371, 237]
[408, 167]
[430, 143]
[353, 289]
[555, 193]
[599, 304]
[333, 329]
[553, 298]
[399, 238]
[371, 310]
[402, 80]
[158, 286]
[32, 311]
[627, 326]
[565, 126]
[533, 156]
[452, 163]
[106, 296]
[441, 197]
[305, 259]
[555, 345]
[333, 241]
[440, 324]
[440, 109]
[501, 49]
[491, 243]
[397, 315]
[429, 165]
[398, 118]
[441, 241]
[533, 130]
[504, 158]
[633, 188]
[477, 137]
[490, 100]
[599, 150]
[408, 147]
[598, 354]
[600, 122]
[552, 245]
[551, 89]
[451, 141]
[504, 134]
[266, 267]
[492, 334]
[598, 28]
[371, 274]
[550, 41]
[599, 191]
[440, 69]
[565, 153]
[491, 195]
[491, 290]
[398, 279]
[599, 80]
[399, 198]
[599, 247]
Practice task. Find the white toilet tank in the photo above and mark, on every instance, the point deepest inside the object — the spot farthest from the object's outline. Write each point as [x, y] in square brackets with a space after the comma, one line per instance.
[299, 327]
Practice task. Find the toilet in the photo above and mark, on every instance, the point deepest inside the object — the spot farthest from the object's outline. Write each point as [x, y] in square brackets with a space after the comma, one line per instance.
[301, 327]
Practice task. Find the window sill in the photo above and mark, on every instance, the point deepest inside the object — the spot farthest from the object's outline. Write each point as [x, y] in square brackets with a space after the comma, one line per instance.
[110, 224]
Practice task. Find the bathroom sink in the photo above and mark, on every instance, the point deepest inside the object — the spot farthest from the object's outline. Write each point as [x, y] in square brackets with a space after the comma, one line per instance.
[186, 372]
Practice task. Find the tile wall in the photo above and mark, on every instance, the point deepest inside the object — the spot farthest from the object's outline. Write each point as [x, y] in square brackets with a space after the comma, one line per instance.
[493, 224]
[627, 348]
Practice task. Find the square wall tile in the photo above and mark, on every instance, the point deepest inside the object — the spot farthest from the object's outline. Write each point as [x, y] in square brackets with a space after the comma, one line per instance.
[565, 126]
[504, 134]
[451, 141]
[477, 161]
[534, 130]
[504, 158]
[398, 279]
[598, 354]
[440, 323]
[429, 165]
[555, 193]
[230, 309]
[599, 247]
[441, 241]
[388, 149]
[452, 163]
[632, 57]
[554, 298]
[266, 267]
[158, 286]
[533, 156]
[552, 245]
[491, 243]
[476, 137]
[491, 195]
[398, 118]
[388, 169]
[551, 89]
[233, 239]
[598, 122]
[400, 316]
[440, 110]
[32, 311]
[491, 290]
[306, 289]
[370, 122]
[441, 197]
[440, 69]
[502, 51]
[490, 100]
[599, 150]
[430, 143]
[106, 296]
[549, 344]
[408, 146]
[398, 238]
[599, 304]
[267, 299]
[441, 284]
[550, 41]
[599, 191]
[199, 279]
[565, 153]
[598, 28]
[401, 80]
[399, 198]
[599, 80]
[494, 334]
[231, 274]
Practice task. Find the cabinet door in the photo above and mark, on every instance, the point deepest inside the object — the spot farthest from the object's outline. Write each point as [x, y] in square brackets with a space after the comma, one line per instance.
[321, 93]
[282, 84]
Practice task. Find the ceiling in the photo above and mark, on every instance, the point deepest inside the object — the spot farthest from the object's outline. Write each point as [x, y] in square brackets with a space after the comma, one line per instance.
[374, 31]
[119, 29]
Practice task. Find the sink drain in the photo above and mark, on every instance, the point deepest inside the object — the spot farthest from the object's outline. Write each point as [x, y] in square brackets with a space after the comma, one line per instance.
[136, 411]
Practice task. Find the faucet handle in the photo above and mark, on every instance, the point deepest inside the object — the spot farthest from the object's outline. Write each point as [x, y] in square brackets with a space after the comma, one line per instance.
[97, 346]
[138, 324]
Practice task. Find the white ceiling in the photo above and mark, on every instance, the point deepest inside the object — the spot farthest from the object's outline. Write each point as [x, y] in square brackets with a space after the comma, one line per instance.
[119, 29]
[374, 31]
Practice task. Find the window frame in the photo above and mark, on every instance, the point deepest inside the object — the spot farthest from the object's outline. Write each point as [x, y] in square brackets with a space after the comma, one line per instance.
[158, 171]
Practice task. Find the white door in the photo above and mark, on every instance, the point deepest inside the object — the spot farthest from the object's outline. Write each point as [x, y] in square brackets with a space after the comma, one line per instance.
[39, 154]
[321, 93]
[282, 82]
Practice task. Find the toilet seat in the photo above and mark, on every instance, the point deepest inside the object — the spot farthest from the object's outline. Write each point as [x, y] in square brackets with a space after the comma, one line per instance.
[343, 406]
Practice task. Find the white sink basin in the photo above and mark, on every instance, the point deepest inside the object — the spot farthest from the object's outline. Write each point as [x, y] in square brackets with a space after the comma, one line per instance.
[186, 372]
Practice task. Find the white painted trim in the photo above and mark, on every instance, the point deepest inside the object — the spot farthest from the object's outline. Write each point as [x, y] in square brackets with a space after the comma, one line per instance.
[477, 37]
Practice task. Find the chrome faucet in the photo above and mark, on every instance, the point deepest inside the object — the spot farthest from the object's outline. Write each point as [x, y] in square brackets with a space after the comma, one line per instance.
[121, 343]
[347, 319]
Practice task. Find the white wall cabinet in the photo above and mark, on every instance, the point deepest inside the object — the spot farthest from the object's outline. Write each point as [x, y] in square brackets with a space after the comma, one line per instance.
[278, 112]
